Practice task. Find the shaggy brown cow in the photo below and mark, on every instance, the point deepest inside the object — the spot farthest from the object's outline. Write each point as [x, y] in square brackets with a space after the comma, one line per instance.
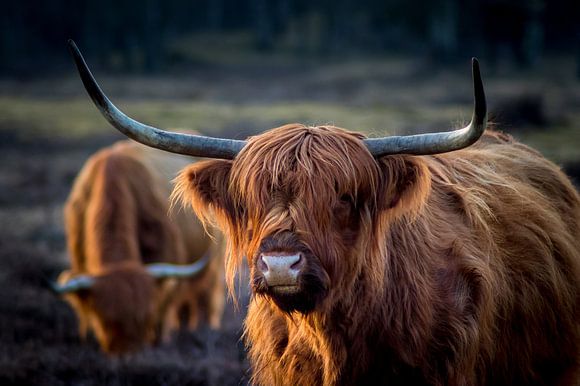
[385, 261]
[119, 235]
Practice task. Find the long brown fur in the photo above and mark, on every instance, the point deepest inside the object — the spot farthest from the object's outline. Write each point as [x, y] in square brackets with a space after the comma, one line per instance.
[454, 269]
[117, 220]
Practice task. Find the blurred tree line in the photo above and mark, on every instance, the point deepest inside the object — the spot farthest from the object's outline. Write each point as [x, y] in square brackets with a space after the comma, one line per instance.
[141, 35]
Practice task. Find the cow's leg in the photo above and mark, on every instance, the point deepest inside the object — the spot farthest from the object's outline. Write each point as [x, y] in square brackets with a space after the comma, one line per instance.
[83, 327]
[170, 322]
[215, 306]
[193, 314]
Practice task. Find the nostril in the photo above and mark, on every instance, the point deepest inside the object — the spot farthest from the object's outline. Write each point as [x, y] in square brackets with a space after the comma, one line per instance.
[262, 265]
[299, 263]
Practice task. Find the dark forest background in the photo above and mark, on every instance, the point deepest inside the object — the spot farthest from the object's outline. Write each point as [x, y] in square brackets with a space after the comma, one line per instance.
[150, 35]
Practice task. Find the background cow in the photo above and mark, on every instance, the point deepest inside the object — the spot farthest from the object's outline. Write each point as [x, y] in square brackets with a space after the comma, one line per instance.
[385, 260]
[119, 228]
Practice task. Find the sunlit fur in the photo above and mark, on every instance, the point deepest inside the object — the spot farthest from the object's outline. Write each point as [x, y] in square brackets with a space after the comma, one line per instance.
[117, 220]
[454, 269]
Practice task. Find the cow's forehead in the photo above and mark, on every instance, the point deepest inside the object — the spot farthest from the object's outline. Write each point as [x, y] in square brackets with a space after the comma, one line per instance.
[309, 162]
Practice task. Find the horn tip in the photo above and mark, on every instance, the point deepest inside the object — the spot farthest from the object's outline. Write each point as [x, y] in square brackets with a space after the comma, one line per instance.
[54, 287]
[475, 63]
[71, 44]
[476, 73]
[73, 49]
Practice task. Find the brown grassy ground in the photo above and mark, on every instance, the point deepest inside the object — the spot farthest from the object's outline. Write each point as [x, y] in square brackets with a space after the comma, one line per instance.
[48, 128]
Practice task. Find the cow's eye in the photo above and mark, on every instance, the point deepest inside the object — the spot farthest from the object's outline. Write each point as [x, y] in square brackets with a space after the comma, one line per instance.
[346, 200]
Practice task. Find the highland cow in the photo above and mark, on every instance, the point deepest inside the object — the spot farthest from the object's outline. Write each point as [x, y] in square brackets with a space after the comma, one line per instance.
[437, 259]
[128, 250]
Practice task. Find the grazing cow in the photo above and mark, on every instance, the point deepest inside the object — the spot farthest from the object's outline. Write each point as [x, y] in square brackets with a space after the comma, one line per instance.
[391, 260]
[127, 251]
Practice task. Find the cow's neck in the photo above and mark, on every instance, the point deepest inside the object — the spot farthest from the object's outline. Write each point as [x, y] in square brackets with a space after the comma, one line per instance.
[338, 335]
[360, 324]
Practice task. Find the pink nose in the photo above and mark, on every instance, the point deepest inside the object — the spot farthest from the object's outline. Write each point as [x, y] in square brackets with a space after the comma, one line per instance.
[281, 269]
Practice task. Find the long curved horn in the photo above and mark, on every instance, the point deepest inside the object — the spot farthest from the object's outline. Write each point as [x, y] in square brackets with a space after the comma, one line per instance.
[435, 143]
[163, 270]
[74, 284]
[194, 145]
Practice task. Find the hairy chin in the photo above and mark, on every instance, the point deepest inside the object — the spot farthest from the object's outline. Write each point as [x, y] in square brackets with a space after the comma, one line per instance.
[293, 302]
[304, 298]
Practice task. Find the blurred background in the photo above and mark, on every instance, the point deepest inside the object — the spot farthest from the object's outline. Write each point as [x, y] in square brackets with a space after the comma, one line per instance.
[234, 68]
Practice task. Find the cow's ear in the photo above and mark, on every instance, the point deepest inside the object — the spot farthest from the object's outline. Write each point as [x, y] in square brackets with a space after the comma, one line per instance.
[405, 184]
[204, 186]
